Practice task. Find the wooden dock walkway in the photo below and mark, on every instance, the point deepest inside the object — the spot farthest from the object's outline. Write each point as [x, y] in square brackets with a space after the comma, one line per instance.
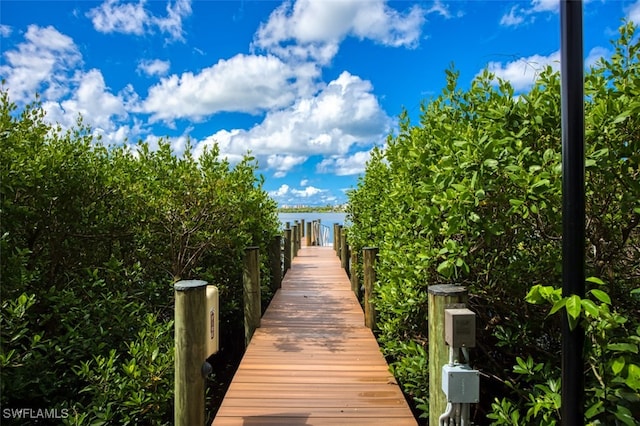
[312, 361]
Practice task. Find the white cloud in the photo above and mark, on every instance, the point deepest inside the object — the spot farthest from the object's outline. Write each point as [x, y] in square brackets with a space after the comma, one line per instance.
[313, 29]
[244, 83]
[545, 5]
[304, 182]
[282, 163]
[113, 16]
[595, 55]
[133, 18]
[44, 62]
[345, 113]
[633, 12]
[154, 67]
[92, 100]
[523, 72]
[283, 190]
[519, 15]
[513, 18]
[309, 191]
[5, 30]
[345, 165]
[172, 23]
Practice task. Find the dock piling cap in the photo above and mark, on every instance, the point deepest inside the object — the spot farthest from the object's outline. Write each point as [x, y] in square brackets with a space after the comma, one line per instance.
[187, 285]
[446, 289]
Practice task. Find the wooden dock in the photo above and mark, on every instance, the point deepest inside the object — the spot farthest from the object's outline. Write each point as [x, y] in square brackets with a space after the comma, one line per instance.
[312, 361]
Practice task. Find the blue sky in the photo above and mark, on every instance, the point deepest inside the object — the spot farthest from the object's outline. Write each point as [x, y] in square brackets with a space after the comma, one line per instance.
[309, 86]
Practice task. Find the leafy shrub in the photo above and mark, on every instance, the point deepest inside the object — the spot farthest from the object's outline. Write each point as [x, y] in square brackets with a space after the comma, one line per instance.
[472, 196]
[92, 239]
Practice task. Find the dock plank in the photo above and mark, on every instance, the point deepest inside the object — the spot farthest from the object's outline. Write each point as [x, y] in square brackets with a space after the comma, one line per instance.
[312, 361]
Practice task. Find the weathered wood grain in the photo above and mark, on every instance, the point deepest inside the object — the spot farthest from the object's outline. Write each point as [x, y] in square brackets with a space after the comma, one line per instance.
[313, 361]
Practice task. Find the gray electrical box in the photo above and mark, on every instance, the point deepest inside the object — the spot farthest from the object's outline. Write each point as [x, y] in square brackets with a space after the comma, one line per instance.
[461, 384]
[460, 328]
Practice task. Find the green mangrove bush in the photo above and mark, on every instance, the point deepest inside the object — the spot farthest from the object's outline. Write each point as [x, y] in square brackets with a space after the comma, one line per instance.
[92, 239]
[471, 195]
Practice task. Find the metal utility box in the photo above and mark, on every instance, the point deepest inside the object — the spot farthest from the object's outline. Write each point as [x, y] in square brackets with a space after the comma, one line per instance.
[461, 384]
[460, 328]
[212, 331]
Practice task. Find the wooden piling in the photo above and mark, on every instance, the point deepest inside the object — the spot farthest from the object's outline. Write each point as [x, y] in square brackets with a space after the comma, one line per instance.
[251, 292]
[344, 251]
[338, 238]
[287, 250]
[294, 241]
[275, 262]
[335, 237]
[369, 261]
[189, 326]
[353, 274]
[308, 235]
[441, 297]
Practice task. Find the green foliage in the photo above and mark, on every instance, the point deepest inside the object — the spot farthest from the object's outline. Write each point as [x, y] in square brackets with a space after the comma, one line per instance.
[92, 239]
[472, 196]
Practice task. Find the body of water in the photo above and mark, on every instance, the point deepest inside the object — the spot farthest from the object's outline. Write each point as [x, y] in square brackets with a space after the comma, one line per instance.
[326, 219]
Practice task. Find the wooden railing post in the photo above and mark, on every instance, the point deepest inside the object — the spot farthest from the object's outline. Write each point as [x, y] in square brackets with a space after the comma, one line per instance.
[302, 228]
[369, 261]
[344, 251]
[251, 292]
[355, 284]
[275, 262]
[287, 250]
[335, 237]
[294, 242]
[441, 297]
[190, 329]
[308, 235]
[338, 238]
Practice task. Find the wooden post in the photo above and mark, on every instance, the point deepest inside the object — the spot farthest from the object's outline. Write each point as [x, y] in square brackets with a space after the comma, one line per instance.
[441, 297]
[287, 225]
[369, 261]
[335, 237]
[355, 284]
[275, 262]
[251, 292]
[344, 250]
[302, 228]
[190, 315]
[294, 242]
[338, 239]
[287, 250]
[308, 236]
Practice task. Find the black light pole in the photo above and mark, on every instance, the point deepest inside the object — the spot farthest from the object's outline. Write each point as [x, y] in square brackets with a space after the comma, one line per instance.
[573, 205]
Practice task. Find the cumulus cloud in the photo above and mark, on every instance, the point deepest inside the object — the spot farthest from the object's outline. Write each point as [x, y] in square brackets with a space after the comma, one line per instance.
[344, 165]
[345, 113]
[44, 62]
[153, 67]
[244, 83]
[91, 99]
[115, 16]
[313, 29]
[286, 195]
[523, 72]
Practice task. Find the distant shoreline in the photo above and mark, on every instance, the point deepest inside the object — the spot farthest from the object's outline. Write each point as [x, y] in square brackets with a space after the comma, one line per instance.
[313, 209]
